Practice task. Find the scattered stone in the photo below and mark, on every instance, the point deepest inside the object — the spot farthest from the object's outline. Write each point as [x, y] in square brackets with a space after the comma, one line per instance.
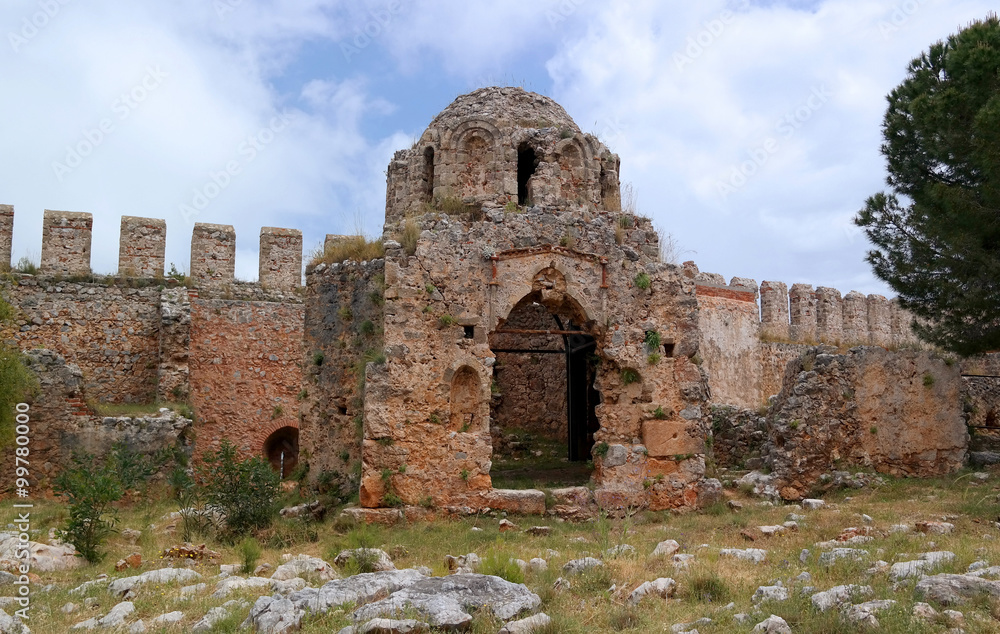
[935, 528]
[867, 519]
[620, 550]
[538, 565]
[682, 560]
[561, 584]
[666, 548]
[371, 559]
[759, 484]
[68, 608]
[463, 564]
[132, 561]
[116, 616]
[773, 625]
[577, 566]
[795, 517]
[878, 568]
[864, 613]
[528, 625]
[924, 612]
[736, 505]
[12, 625]
[137, 628]
[838, 595]
[754, 555]
[831, 557]
[804, 555]
[984, 458]
[812, 504]
[539, 531]
[265, 568]
[770, 531]
[507, 525]
[231, 584]
[900, 528]
[924, 564]
[41, 557]
[131, 534]
[689, 628]
[208, 621]
[305, 565]
[169, 618]
[189, 591]
[953, 589]
[770, 593]
[390, 626]
[663, 587]
[119, 587]
[312, 510]
[187, 551]
[804, 577]
[977, 565]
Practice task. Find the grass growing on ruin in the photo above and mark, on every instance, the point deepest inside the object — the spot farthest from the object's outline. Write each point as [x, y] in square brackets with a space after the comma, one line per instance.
[348, 248]
[596, 601]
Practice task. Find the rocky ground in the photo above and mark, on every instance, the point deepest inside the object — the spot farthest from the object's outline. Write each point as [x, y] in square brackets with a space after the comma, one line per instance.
[904, 556]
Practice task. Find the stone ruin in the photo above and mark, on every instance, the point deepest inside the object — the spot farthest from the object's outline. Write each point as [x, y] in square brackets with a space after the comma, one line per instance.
[514, 293]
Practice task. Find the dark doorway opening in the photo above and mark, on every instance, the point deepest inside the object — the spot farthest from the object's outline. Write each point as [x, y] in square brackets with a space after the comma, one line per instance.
[428, 193]
[282, 450]
[527, 163]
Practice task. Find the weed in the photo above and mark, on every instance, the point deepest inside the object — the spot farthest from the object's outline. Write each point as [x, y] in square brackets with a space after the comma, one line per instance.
[446, 321]
[659, 414]
[303, 395]
[465, 475]
[367, 328]
[431, 289]
[349, 248]
[409, 236]
[652, 340]
[928, 379]
[501, 565]
[345, 313]
[654, 358]
[249, 551]
[643, 281]
[630, 376]
[601, 449]
[708, 587]
[318, 358]
[511, 207]
[277, 412]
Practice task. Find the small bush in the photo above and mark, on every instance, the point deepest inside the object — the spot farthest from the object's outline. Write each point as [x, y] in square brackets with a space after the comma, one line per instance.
[349, 248]
[318, 358]
[500, 565]
[367, 328]
[708, 588]
[90, 488]
[249, 551]
[928, 380]
[447, 321]
[652, 341]
[630, 376]
[244, 491]
[659, 414]
[25, 265]
[643, 281]
[654, 358]
[409, 236]
[134, 469]
[511, 207]
[457, 207]
[601, 449]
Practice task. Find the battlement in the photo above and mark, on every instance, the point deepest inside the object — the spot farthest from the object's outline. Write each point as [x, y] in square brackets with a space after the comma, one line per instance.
[67, 237]
[803, 314]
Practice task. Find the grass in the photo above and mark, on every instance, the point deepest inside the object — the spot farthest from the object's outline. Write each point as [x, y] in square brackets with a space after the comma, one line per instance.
[348, 248]
[590, 605]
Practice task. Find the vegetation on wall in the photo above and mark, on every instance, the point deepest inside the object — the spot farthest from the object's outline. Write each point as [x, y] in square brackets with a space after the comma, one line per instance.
[17, 382]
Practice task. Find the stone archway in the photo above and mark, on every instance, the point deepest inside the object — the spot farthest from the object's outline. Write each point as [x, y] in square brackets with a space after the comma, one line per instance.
[281, 449]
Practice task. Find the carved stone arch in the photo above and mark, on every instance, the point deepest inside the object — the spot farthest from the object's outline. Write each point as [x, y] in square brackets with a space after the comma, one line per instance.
[455, 138]
[573, 146]
[468, 397]
[524, 288]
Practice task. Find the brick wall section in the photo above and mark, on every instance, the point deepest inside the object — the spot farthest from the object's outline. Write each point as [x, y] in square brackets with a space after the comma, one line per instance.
[141, 247]
[774, 310]
[111, 333]
[6, 234]
[66, 240]
[244, 363]
[280, 258]
[340, 299]
[213, 254]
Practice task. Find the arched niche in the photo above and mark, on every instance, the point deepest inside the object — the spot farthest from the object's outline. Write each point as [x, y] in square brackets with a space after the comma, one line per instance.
[466, 400]
[281, 449]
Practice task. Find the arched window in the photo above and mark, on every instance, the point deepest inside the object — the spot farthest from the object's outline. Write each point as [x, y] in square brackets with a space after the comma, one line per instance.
[428, 193]
[527, 163]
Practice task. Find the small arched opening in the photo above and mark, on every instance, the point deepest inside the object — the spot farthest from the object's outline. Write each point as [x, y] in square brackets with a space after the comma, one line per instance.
[281, 449]
[428, 193]
[527, 163]
[465, 399]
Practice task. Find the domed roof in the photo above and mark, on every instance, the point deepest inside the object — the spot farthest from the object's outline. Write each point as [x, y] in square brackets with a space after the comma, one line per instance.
[507, 107]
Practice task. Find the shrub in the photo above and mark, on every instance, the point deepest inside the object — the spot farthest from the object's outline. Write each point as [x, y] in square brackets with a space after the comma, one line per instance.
[630, 376]
[25, 265]
[132, 468]
[928, 380]
[409, 236]
[349, 248]
[447, 320]
[249, 551]
[457, 207]
[601, 449]
[500, 565]
[90, 487]
[367, 328]
[654, 358]
[708, 588]
[245, 492]
[659, 414]
[643, 281]
[653, 341]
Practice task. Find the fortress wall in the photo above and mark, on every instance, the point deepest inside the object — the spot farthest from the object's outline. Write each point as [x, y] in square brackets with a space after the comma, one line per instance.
[280, 261]
[340, 299]
[802, 308]
[66, 241]
[774, 310]
[244, 370]
[6, 234]
[213, 254]
[829, 314]
[855, 318]
[879, 321]
[142, 247]
[111, 333]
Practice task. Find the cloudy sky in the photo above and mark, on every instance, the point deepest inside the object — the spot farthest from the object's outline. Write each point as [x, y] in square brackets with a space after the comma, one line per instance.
[750, 130]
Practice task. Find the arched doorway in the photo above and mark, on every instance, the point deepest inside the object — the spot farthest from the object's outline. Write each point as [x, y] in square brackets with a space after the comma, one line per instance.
[281, 449]
[543, 410]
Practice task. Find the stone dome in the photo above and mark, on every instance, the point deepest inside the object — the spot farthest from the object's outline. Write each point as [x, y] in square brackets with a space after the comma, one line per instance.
[505, 108]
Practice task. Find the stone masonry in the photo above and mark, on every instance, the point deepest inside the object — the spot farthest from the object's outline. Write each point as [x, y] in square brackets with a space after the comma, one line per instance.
[66, 238]
[213, 254]
[6, 234]
[280, 258]
[141, 247]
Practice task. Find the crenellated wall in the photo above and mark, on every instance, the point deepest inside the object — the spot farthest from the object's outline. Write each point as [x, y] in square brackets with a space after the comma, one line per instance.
[213, 254]
[280, 258]
[142, 247]
[6, 234]
[66, 239]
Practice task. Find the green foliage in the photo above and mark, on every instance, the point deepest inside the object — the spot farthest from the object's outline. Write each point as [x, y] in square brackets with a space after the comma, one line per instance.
[25, 265]
[17, 384]
[409, 236]
[245, 491]
[630, 376]
[349, 248]
[90, 487]
[465, 475]
[318, 358]
[928, 379]
[447, 321]
[249, 551]
[643, 281]
[652, 341]
[511, 207]
[431, 289]
[345, 313]
[500, 565]
[708, 588]
[601, 449]
[654, 358]
[367, 328]
[277, 412]
[937, 231]
[659, 414]
[132, 468]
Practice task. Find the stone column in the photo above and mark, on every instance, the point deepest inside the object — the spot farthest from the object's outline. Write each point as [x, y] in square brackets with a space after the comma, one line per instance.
[213, 254]
[6, 234]
[802, 308]
[879, 321]
[66, 239]
[280, 258]
[829, 315]
[902, 325]
[774, 310]
[855, 319]
[142, 247]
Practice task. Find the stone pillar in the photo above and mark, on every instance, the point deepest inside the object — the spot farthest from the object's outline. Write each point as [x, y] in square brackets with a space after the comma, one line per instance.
[774, 310]
[802, 308]
[213, 254]
[141, 247]
[280, 258]
[6, 235]
[66, 239]
[902, 325]
[829, 315]
[855, 319]
[879, 321]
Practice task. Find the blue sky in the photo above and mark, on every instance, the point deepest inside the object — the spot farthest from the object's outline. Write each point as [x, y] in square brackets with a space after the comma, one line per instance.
[749, 130]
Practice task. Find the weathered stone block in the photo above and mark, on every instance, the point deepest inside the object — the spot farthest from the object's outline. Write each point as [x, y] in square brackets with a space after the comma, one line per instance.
[523, 502]
[213, 254]
[829, 315]
[664, 438]
[280, 258]
[855, 319]
[774, 310]
[141, 247]
[879, 321]
[66, 240]
[802, 308]
[6, 234]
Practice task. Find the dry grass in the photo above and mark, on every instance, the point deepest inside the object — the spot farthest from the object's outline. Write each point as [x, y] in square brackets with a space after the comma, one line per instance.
[591, 605]
[409, 236]
[356, 248]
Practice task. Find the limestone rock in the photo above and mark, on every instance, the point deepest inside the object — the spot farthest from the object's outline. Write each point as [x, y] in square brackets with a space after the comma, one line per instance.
[773, 625]
[116, 616]
[935, 528]
[519, 501]
[390, 626]
[372, 559]
[919, 567]
[42, 557]
[664, 587]
[666, 548]
[864, 613]
[754, 555]
[577, 566]
[526, 626]
[831, 557]
[208, 621]
[12, 625]
[953, 589]
[162, 576]
[303, 565]
[169, 618]
[463, 563]
[838, 595]
[813, 504]
[770, 593]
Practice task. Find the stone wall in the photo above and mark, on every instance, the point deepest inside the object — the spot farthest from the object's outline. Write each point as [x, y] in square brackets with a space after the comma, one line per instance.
[112, 333]
[280, 261]
[244, 370]
[344, 320]
[898, 413]
[213, 254]
[172, 374]
[6, 235]
[66, 238]
[141, 247]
